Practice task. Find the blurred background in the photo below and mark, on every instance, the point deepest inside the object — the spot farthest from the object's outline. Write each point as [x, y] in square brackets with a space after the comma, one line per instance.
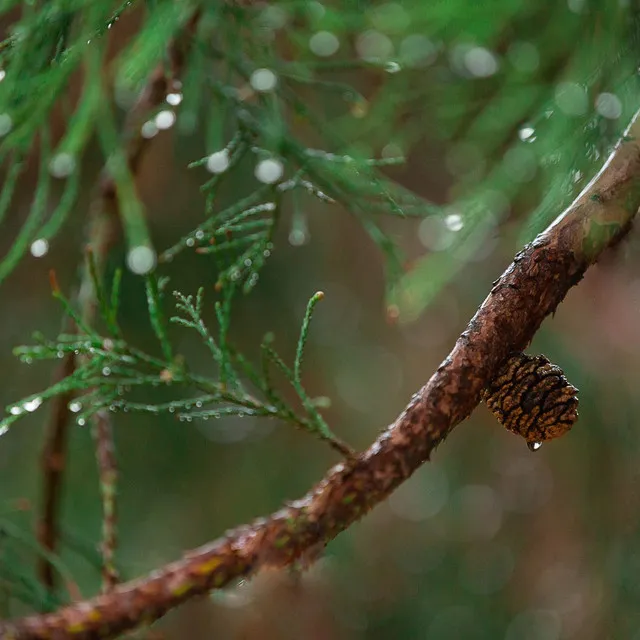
[503, 115]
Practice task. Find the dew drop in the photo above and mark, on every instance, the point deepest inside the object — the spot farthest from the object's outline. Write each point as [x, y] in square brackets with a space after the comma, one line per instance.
[263, 80]
[165, 119]
[39, 248]
[480, 62]
[75, 406]
[62, 165]
[392, 67]
[324, 43]
[32, 405]
[174, 99]
[5, 124]
[454, 222]
[218, 162]
[141, 259]
[527, 134]
[15, 411]
[269, 171]
[81, 422]
[298, 237]
[148, 129]
[534, 446]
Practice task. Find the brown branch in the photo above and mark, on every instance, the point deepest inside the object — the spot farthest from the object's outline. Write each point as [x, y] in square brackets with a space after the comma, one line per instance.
[53, 461]
[529, 290]
[108, 473]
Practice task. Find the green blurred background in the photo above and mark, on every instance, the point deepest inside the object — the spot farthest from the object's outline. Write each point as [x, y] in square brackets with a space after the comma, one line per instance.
[488, 540]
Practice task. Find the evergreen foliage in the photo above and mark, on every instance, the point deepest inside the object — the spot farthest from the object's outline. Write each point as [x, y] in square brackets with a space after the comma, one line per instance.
[277, 104]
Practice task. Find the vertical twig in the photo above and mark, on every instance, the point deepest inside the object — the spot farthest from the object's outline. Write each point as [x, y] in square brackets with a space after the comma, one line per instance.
[108, 471]
[53, 461]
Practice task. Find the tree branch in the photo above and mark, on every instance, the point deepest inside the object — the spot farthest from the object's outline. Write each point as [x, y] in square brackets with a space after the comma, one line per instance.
[528, 291]
[53, 463]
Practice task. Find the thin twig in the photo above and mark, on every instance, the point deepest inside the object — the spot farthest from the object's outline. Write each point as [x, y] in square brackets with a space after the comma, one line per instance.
[108, 472]
[528, 291]
[53, 461]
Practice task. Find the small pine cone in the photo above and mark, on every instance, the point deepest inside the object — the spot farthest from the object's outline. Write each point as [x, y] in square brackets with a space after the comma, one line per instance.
[531, 397]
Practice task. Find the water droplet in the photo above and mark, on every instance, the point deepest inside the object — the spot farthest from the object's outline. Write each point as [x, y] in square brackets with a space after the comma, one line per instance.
[3, 74]
[248, 262]
[15, 411]
[60, 354]
[534, 446]
[39, 248]
[298, 237]
[81, 422]
[269, 170]
[75, 406]
[199, 234]
[373, 45]
[571, 98]
[263, 80]
[527, 134]
[190, 242]
[148, 129]
[32, 405]
[165, 119]
[174, 99]
[454, 222]
[608, 105]
[392, 67]
[218, 161]
[480, 62]
[62, 165]
[141, 259]
[106, 371]
[324, 43]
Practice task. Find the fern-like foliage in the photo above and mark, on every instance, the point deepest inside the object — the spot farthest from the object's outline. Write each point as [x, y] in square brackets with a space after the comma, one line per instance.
[111, 370]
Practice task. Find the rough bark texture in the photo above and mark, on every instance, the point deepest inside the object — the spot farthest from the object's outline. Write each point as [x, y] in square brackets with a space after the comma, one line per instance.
[529, 290]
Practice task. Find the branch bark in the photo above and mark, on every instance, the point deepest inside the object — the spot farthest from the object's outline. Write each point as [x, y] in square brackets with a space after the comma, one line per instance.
[527, 292]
